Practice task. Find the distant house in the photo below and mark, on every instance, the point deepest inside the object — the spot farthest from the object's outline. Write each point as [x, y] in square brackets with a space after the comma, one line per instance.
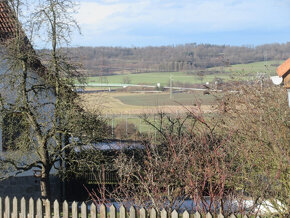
[283, 71]
[24, 184]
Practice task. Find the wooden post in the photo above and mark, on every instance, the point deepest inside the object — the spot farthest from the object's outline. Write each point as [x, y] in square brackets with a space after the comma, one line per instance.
[153, 213]
[14, 208]
[143, 213]
[208, 215]
[133, 212]
[74, 210]
[84, 211]
[1, 208]
[39, 208]
[65, 209]
[22, 208]
[103, 211]
[94, 211]
[113, 212]
[56, 209]
[163, 213]
[174, 214]
[185, 214]
[31, 208]
[47, 209]
[123, 212]
[197, 215]
[7, 208]
[220, 215]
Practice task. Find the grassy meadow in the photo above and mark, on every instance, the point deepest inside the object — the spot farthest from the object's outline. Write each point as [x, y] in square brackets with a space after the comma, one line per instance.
[230, 73]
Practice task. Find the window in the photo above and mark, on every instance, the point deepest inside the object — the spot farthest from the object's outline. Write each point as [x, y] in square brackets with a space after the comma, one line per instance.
[14, 132]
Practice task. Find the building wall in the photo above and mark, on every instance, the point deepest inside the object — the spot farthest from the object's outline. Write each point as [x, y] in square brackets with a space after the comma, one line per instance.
[28, 186]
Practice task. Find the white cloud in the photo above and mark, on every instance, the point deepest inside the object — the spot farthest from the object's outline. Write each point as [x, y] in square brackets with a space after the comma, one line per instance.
[155, 17]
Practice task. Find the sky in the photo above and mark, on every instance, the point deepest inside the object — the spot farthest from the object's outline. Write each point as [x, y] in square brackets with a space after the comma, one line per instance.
[138, 23]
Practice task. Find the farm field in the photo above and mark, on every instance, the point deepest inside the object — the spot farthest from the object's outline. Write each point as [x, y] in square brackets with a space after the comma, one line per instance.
[230, 73]
[139, 103]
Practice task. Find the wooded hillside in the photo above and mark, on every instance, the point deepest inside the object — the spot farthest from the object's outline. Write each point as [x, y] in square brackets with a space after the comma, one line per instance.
[189, 57]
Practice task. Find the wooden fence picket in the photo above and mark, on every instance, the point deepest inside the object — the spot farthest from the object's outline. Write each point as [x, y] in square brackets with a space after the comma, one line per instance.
[153, 213]
[133, 212]
[74, 210]
[84, 211]
[220, 215]
[185, 214]
[94, 211]
[208, 215]
[7, 208]
[14, 208]
[39, 210]
[103, 211]
[1, 208]
[113, 211]
[143, 213]
[65, 213]
[197, 215]
[22, 208]
[31, 208]
[47, 209]
[174, 214]
[232, 216]
[123, 212]
[163, 213]
[56, 209]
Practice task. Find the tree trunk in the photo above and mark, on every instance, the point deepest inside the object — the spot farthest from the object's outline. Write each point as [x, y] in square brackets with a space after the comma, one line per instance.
[45, 183]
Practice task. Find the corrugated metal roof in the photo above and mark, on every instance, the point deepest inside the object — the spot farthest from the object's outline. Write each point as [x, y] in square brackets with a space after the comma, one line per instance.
[283, 68]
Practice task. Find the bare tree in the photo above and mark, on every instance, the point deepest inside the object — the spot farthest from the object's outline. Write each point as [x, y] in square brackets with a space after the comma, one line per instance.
[43, 98]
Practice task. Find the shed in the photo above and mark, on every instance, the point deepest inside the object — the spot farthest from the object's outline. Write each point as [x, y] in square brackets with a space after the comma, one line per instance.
[283, 71]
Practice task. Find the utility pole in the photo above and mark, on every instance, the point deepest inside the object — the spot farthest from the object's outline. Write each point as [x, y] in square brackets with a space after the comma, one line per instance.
[171, 93]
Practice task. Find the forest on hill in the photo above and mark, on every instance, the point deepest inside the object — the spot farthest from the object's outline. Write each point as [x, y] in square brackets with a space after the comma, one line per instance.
[98, 61]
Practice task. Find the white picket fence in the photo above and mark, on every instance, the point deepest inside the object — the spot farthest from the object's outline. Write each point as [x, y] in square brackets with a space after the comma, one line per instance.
[44, 209]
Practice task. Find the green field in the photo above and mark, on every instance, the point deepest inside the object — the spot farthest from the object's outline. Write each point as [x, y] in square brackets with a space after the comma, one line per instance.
[164, 99]
[234, 72]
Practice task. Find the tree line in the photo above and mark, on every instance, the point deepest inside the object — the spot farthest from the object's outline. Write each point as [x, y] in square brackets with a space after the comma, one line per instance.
[189, 57]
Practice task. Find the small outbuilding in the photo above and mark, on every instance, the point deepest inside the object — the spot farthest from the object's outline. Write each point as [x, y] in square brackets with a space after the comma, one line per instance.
[284, 71]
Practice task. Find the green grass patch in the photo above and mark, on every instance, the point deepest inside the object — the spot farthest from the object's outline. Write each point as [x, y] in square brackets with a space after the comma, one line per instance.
[164, 99]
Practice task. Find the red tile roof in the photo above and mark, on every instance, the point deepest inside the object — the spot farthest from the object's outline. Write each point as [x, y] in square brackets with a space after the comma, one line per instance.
[283, 68]
[7, 21]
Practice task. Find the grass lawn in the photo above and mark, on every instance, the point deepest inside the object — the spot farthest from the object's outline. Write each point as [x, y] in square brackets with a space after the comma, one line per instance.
[164, 99]
[234, 72]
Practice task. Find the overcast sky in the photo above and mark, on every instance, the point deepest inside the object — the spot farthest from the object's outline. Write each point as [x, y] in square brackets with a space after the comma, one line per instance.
[171, 22]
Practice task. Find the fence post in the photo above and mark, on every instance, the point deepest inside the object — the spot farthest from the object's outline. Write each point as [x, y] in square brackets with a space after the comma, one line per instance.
[74, 210]
[133, 212]
[153, 213]
[1, 208]
[56, 209]
[185, 214]
[47, 209]
[94, 210]
[232, 216]
[220, 215]
[103, 211]
[143, 213]
[7, 208]
[174, 214]
[197, 215]
[22, 208]
[31, 208]
[113, 211]
[163, 213]
[65, 209]
[208, 215]
[84, 211]
[122, 212]
[14, 208]
[39, 208]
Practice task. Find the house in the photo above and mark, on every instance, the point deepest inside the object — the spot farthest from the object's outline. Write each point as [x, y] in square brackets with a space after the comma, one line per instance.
[284, 71]
[12, 126]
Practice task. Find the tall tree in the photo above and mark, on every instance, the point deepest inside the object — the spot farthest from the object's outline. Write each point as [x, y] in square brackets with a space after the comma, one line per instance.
[43, 101]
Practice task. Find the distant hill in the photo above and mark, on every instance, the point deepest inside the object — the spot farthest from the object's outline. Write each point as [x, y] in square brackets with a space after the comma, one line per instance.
[98, 61]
